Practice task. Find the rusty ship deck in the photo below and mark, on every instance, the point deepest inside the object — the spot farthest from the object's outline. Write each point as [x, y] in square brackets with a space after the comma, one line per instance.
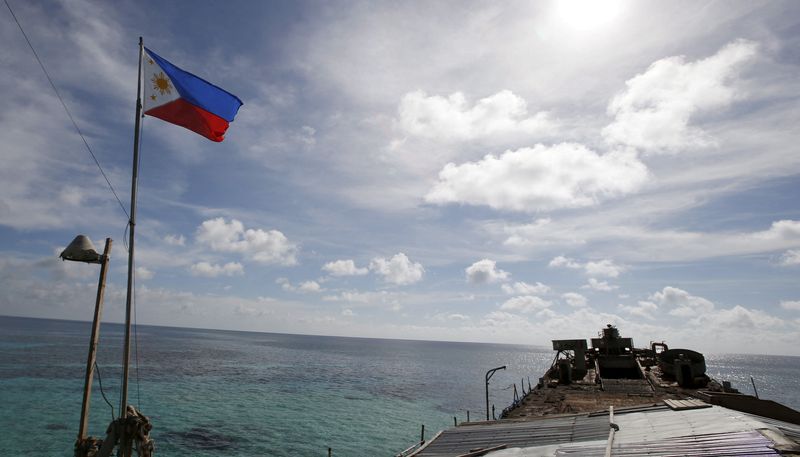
[665, 404]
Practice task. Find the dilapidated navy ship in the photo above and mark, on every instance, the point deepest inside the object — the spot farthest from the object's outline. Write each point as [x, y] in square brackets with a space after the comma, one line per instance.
[611, 398]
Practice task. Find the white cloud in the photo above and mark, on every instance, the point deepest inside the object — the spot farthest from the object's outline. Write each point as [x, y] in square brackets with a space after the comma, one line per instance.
[654, 111]
[250, 311]
[344, 268]
[790, 258]
[565, 262]
[793, 305]
[309, 286]
[353, 297]
[644, 309]
[523, 288]
[144, 274]
[347, 312]
[270, 247]
[213, 270]
[574, 299]
[525, 304]
[450, 118]
[485, 272]
[565, 175]
[397, 270]
[634, 242]
[602, 286]
[303, 287]
[175, 240]
[605, 267]
[450, 317]
[682, 303]
[381, 299]
[738, 319]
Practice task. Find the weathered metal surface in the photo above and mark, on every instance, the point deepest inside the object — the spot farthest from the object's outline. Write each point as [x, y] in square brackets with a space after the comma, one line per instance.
[566, 413]
[679, 405]
[711, 431]
[555, 430]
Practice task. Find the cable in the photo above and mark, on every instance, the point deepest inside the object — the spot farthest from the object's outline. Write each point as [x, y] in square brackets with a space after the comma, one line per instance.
[69, 114]
[100, 381]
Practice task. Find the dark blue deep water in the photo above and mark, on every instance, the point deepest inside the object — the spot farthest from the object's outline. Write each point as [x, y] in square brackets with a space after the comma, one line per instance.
[211, 392]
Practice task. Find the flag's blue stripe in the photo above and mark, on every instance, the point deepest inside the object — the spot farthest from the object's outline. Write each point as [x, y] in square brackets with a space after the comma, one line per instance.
[200, 92]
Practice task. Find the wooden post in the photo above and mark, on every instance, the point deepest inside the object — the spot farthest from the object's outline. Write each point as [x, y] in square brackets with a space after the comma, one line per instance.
[330, 452]
[455, 421]
[98, 314]
[467, 415]
[422, 435]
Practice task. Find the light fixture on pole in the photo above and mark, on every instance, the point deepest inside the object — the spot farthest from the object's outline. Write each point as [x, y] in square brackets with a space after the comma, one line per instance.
[489, 375]
[82, 250]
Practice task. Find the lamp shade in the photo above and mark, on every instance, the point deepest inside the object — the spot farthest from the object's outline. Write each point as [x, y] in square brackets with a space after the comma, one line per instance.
[81, 250]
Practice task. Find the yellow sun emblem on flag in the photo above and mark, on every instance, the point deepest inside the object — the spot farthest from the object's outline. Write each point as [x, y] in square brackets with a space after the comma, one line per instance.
[161, 83]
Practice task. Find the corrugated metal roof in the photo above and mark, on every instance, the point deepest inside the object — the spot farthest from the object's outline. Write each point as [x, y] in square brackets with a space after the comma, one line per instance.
[651, 431]
[460, 440]
[713, 445]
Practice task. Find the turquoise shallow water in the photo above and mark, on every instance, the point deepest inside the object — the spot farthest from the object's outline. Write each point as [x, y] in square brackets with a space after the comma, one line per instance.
[241, 394]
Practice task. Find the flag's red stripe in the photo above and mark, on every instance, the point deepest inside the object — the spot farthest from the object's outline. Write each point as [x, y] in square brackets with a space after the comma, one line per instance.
[183, 113]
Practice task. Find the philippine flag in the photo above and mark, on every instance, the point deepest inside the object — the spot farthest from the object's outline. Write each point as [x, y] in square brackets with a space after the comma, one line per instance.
[179, 97]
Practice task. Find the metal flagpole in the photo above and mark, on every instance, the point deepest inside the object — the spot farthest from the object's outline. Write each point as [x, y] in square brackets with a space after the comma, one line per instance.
[126, 355]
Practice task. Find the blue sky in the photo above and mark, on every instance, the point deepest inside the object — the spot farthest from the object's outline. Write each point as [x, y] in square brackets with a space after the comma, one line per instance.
[474, 171]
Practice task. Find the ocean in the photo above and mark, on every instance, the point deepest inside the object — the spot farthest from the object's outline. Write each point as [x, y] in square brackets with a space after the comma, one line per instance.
[213, 392]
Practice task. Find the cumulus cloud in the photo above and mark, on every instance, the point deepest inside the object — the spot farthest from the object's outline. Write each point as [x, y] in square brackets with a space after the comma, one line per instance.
[605, 267]
[654, 111]
[175, 240]
[383, 299]
[144, 273]
[793, 305]
[398, 270]
[574, 299]
[303, 287]
[644, 309]
[523, 288]
[263, 246]
[602, 286]
[210, 270]
[790, 258]
[485, 272]
[450, 317]
[344, 268]
[564, 262]
[565, 175]
[450, 118]
[739, 319]
[682, 303]
[525, 304]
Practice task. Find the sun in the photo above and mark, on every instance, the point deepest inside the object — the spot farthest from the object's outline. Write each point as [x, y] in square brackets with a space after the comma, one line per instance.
[161, 83]
[587, 14]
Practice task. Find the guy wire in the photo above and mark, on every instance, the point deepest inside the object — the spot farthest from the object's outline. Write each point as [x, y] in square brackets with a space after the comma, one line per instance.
[69, 114]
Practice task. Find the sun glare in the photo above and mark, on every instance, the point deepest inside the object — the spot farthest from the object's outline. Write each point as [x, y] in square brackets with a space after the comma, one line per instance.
[587, 14]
